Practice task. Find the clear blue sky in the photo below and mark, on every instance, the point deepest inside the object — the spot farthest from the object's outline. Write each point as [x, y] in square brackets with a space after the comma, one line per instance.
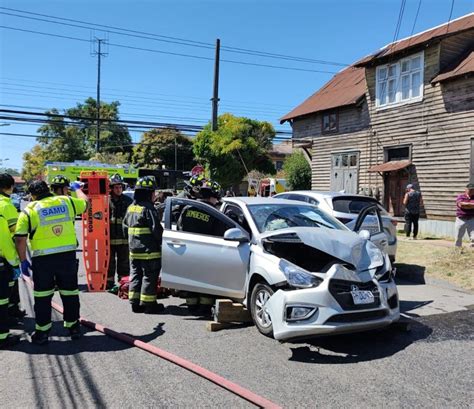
[46, 72]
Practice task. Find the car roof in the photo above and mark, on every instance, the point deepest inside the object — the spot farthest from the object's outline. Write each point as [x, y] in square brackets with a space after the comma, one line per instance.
[261, 201]
[317, 193]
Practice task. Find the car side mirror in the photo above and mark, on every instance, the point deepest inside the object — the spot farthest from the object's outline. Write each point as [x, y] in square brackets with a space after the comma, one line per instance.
[364, 234]
[236, 234]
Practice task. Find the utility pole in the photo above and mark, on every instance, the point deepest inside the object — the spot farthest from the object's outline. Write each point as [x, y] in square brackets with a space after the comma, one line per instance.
[215, 96]
[98, 51]
[175, 154]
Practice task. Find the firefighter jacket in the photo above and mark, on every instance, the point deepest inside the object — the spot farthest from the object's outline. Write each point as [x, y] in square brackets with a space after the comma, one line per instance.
[117, 209]
[8, 211]
[7, 247]
[195, 220]
[49, 224]
[144, 231]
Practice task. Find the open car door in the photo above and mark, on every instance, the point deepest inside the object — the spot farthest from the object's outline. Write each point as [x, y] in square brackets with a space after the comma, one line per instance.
[206, 263]
[369, 219]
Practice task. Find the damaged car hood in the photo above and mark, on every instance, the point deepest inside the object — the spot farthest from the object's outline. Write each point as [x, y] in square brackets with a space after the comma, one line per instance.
[344, 245]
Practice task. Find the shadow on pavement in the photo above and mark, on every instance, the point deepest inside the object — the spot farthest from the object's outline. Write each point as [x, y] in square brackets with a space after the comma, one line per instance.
[92, 341]
[407, 306]
[359, 347]
[413, 273]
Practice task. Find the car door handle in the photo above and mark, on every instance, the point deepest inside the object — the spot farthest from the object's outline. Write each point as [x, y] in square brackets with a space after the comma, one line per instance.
[175, 243]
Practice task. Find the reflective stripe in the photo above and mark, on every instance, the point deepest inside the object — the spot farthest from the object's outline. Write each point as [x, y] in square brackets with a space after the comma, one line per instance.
[69, 324]
[145, 256]
[11, 283]
[133, 295]
[46, 327]
[115, 242]
[116, 220]
[69, 292]
[3, 301]
[3, 335]
[147, 298]
[54, 250]
[137, 231]
[46, 293]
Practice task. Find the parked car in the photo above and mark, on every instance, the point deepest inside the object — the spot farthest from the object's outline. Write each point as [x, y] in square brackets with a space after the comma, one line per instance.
[298, 270]
[346, 207]
[16, 200]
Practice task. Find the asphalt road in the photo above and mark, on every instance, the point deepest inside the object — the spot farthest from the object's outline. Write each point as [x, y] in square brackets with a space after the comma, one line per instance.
[431, 366]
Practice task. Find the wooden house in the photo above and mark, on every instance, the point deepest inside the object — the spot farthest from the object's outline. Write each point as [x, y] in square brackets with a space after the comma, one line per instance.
[404, 114]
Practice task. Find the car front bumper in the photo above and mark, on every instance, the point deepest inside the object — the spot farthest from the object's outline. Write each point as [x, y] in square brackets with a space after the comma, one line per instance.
[329, 317]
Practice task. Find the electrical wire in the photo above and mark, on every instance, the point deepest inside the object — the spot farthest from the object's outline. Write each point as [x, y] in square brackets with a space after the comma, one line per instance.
[169, 52]
[416, 17]
[158, 37]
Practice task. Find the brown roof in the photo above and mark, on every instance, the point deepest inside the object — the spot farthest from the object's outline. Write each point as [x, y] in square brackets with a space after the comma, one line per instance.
[455, 26]
[345, 88]
[18, 179]
[390, 166]
[466, 66]
[283, 148]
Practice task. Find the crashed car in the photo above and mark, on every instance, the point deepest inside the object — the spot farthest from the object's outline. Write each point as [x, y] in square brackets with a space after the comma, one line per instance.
[298, 270]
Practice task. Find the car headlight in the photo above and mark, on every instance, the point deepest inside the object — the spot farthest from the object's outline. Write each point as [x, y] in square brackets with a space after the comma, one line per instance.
[298, 277]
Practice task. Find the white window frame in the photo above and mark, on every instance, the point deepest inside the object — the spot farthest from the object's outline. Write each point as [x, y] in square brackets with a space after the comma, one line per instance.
[390, 77]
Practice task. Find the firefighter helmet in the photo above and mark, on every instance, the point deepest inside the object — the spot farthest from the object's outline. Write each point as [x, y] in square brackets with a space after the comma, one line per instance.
[60, 181]
[211, 188]
[116, 180]
[146, 183]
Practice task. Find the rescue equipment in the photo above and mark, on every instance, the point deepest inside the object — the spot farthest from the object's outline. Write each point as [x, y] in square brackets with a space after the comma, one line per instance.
[95, 227]
[124, 285]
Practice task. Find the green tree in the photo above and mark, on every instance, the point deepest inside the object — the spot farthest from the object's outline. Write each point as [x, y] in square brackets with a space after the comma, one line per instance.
[74, 138]
[239, 145]
[111, 158]
[10, 171]
[297, 171]
[33, 163]
[157, 148]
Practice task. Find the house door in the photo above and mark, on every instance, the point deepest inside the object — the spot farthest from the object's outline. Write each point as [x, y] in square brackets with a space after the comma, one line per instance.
[395, 185]
[345, 172]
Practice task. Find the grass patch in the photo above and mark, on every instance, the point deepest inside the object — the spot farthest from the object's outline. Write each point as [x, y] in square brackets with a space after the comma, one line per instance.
[438, 262]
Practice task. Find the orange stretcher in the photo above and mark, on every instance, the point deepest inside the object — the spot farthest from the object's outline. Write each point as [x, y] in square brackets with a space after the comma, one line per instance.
[95, 228]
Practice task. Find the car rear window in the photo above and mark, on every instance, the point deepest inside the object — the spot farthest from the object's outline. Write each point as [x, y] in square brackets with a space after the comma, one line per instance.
[354, 205]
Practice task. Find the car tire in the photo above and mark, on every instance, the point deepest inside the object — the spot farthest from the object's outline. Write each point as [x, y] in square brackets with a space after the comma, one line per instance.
[261, 292]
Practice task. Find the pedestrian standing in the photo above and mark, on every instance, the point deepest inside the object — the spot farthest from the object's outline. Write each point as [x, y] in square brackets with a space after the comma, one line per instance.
[118, 204]
[8, 262]
[9, 212]
[47, 226]
[465, 216]
[412, 201]
[143, 229]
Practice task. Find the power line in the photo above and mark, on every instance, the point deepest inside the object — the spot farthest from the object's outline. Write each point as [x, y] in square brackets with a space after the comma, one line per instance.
[416, 17]
[399, 21]
[450, 15]
[129, 47]
[162, 38]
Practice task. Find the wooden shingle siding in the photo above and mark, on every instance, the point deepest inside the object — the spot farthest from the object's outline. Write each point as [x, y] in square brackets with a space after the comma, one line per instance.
[439, 130]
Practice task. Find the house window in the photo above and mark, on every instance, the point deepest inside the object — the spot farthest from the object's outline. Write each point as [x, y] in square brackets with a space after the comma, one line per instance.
[278, 165]
[400, 82]
[330, 122]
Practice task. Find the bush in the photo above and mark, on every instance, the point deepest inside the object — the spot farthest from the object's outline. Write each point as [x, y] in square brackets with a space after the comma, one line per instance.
[298, 172]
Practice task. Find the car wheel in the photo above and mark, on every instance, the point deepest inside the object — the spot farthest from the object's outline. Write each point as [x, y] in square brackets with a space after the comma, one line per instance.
[261, 293]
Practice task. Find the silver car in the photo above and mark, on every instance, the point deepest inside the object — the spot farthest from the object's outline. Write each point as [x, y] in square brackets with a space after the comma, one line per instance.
[346, 208]
[297, 269]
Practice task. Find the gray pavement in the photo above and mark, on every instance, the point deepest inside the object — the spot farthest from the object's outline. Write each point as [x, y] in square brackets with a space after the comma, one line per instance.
[431, 366]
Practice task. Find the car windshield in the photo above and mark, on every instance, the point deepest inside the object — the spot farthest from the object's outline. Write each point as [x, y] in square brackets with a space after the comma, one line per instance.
[270, 217]
[354, 205]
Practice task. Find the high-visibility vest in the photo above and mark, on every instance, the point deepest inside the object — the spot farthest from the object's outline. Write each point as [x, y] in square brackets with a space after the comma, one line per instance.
[7, 248]
[51, 226]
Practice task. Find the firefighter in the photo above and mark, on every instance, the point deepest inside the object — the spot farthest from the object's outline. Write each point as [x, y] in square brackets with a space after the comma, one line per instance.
[9, 212]
[119, 261]
[142, 225]
[60, 185]
[193, 220]
[8, 269]
[47, 224]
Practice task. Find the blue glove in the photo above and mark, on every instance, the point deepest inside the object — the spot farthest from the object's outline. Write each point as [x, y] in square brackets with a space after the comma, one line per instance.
[75, 186]
[25, 268]
[16, 273]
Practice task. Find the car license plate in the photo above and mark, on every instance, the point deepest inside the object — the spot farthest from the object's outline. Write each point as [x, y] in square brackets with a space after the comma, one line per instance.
[362, 297]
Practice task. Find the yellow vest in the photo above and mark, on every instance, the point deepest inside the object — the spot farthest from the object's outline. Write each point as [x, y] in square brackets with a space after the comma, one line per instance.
[52, 226]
